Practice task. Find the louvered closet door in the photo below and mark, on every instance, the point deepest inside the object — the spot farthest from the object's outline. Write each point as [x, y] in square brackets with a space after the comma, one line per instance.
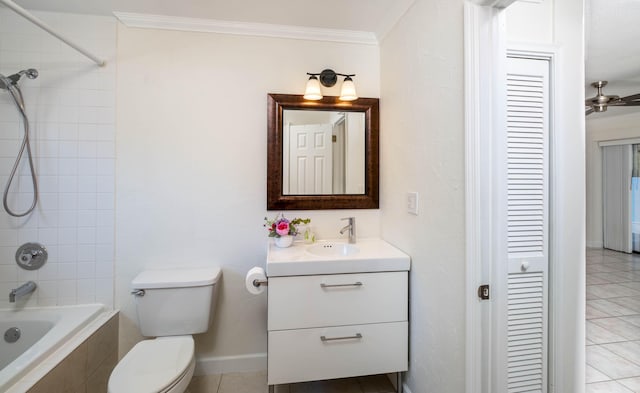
[527, 223]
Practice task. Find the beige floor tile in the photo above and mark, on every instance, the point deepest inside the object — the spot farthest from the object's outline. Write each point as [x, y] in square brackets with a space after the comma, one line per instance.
[599, 335]
[244, 383]
[632, 284]
[610, 364]
[607, 387]
[629, 350]
[598, 268]
[632, 303]
[632, 319]
[592, 279]
[606, 291]
[593, 312]
[631, 383]
[593, 375]
[619, 327]
[618, 277]
[205, 384]
[611, 307]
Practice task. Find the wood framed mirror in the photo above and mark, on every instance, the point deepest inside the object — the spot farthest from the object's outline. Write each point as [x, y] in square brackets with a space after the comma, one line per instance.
[322, 154]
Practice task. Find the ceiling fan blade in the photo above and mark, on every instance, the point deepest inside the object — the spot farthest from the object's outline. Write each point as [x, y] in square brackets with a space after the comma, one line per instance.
[627, 103]
[631, 99]
[588, 110]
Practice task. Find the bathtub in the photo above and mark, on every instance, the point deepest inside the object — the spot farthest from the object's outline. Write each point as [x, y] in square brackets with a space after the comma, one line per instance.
[45, 331]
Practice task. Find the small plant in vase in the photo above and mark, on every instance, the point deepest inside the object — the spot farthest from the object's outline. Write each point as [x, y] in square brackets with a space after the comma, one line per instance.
[283, 230]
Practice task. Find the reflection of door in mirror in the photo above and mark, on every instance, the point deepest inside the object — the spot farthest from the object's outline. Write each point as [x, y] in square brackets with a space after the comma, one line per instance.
[310, 159]
[323, 152]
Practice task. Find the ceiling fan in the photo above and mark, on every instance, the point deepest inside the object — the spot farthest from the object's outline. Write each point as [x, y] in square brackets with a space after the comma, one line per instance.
[600, 102]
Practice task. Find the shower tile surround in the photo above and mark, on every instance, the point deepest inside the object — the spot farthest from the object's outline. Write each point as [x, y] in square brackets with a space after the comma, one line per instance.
[71, 108]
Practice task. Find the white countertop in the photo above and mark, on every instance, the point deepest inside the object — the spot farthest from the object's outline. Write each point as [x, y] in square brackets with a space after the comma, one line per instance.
[374, 255]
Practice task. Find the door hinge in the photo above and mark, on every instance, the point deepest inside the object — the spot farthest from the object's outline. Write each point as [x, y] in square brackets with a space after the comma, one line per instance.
[483, 292]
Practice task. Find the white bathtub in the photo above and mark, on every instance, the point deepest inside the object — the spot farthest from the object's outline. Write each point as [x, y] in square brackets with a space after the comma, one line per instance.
[44, 330]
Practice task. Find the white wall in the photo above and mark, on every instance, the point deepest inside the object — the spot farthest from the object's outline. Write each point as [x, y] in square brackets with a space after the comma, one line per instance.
[423, 150]
[191, 167]
[605, 128]
[422, 147]
[71, 106]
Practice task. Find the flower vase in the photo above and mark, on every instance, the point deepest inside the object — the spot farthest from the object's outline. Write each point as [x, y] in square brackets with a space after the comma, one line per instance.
[284, 241]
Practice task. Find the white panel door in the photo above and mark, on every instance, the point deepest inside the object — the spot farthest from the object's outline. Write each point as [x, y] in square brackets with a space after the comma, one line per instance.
[310, 159]
[526, 228]
[617, 165]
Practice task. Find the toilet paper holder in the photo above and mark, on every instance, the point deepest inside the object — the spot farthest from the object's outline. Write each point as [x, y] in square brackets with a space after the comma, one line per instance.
[257, 283]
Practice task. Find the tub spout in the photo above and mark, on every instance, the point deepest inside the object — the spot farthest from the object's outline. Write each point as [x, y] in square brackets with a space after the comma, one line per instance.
[22, 290]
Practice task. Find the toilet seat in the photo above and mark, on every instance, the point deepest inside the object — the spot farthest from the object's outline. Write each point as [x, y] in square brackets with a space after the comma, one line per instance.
[153, 366]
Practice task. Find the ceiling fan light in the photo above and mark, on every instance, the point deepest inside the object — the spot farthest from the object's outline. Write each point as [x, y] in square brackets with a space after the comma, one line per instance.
[348, 90]
[312, 91]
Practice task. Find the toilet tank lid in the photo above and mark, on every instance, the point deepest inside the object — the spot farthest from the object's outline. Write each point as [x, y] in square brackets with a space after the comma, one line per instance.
[176, 278]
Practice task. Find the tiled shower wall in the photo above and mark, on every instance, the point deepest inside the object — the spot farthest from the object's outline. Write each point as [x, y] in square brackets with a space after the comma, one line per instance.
[71, 107]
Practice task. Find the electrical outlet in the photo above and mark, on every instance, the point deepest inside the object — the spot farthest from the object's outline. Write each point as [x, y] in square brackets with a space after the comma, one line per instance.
[412, 203]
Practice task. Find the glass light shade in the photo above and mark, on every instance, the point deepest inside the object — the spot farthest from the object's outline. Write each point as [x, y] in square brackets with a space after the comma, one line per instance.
[312, 92]
[348, 90]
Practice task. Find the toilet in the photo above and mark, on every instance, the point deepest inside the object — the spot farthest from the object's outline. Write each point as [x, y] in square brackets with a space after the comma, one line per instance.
[171, 304]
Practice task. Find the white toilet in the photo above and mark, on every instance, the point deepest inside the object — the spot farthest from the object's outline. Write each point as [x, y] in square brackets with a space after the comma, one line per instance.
[172, 305]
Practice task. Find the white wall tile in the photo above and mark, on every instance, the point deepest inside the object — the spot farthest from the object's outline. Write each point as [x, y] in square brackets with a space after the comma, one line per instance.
[72, 114]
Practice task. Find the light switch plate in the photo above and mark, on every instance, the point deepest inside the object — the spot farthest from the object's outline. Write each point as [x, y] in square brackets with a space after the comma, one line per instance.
[412, 203]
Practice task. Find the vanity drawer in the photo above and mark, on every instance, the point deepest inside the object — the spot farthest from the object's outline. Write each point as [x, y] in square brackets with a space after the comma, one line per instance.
[338, 299]
[303, 355]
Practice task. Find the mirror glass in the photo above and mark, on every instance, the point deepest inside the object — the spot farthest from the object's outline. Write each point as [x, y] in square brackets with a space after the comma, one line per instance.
[323, 152]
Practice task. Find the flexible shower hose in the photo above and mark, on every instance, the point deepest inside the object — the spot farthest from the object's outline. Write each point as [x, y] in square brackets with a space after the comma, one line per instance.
[16, 94]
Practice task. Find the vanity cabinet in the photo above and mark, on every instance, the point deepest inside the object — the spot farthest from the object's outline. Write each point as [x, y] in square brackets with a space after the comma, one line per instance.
[327, 326]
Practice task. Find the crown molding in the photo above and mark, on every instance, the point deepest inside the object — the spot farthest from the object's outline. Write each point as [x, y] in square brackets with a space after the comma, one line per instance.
[147, 21]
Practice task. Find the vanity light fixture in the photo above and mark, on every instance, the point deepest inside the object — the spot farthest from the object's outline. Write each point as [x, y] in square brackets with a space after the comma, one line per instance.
[328, 78]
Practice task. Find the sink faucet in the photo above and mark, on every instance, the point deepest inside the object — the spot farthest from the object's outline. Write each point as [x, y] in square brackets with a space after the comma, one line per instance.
[351, 227]
[22, 290]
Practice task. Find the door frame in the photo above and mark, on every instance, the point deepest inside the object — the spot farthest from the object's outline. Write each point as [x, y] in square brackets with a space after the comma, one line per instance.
[485, 56]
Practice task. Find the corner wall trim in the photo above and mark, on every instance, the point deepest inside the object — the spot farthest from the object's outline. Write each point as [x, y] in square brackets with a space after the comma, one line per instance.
[148, 21]
[228, 364]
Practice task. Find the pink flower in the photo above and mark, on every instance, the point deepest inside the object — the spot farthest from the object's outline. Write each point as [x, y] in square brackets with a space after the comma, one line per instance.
[282, 228]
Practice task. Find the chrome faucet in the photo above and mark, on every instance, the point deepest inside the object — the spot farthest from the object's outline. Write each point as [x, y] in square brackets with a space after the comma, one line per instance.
[351, 227]
[22, 290]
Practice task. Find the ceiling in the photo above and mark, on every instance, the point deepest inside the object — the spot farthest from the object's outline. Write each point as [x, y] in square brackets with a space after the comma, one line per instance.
[360, 15]
[612, 32]
[612, 28]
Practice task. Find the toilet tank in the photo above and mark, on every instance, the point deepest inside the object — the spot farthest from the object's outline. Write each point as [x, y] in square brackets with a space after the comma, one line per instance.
[172, 302]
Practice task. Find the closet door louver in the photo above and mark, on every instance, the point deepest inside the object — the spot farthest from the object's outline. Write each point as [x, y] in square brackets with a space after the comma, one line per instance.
[527, 223]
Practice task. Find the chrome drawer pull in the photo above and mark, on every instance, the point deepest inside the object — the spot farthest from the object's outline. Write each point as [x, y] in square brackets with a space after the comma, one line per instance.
[355, 284]
[357, 336]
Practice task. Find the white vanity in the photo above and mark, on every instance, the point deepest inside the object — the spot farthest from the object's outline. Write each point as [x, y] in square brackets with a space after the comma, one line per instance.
[336, 310]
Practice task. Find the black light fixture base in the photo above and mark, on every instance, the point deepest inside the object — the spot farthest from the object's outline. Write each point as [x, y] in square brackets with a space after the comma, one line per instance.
[328, 78]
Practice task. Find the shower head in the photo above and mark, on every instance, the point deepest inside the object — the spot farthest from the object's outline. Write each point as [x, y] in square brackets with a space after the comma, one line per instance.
[30, 73]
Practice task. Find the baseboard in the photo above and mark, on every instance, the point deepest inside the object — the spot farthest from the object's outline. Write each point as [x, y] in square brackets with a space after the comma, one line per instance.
[230, 364]
[594, 244]
[405, 388]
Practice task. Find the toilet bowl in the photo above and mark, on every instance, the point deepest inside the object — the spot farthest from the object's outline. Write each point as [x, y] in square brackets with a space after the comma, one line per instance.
[164, 365]
[171, 305]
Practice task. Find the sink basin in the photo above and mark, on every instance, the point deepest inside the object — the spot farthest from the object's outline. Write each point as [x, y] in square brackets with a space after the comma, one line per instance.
[333, 249]
[335, 257]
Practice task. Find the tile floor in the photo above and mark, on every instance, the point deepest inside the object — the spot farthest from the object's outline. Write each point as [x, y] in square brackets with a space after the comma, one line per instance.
[613, 322]
[257, 383]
